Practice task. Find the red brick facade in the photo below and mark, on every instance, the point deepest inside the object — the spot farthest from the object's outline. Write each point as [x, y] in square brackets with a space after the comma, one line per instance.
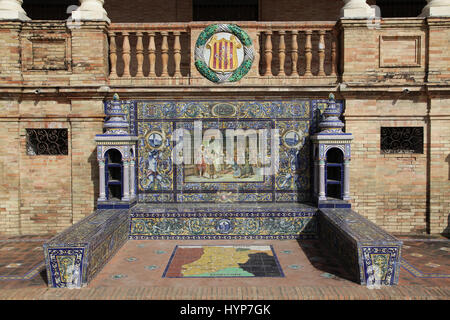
[401, 193]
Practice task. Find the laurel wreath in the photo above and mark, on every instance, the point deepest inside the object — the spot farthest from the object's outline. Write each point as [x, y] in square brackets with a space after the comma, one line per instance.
[220, 77]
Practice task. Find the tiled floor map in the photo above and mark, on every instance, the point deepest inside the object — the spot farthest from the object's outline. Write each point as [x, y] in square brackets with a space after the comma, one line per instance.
[223, 261]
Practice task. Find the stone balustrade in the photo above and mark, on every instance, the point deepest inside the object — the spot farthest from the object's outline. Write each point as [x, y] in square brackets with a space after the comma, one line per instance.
[163, 52]
[147, 50]
[298, 50]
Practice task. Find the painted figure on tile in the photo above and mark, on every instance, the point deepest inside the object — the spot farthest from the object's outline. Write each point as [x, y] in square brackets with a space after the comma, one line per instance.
[201, 163]
[152, 164]
[212, 164]
[246, 169]
[214, 158]
[154, 180]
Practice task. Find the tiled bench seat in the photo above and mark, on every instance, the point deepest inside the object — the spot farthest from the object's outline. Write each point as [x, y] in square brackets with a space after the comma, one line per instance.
[371, 254]
[76, 255]
[223, 221]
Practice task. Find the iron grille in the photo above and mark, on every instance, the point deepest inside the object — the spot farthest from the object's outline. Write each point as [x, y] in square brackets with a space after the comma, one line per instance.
[402, 140]
[47, 142]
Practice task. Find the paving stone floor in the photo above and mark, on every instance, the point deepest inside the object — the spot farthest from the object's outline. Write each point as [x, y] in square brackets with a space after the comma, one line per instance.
[310, 272]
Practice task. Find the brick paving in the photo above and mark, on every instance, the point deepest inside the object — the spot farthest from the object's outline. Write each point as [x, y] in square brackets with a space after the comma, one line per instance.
[311, 273]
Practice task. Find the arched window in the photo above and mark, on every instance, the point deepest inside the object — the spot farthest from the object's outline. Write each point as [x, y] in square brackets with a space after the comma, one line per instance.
[114, 175]
[334, 173]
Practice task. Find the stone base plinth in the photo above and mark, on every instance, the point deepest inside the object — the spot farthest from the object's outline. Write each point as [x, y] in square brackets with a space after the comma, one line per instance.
[13, 15]
[441, 11]
[89, 16]
[357, 13]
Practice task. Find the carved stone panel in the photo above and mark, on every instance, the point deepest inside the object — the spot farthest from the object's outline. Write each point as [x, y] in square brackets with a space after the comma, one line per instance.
[45, 51]
[400, 51]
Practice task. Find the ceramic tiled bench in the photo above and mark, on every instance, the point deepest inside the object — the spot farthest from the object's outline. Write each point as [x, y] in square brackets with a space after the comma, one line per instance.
[370, 253]
[75, 256]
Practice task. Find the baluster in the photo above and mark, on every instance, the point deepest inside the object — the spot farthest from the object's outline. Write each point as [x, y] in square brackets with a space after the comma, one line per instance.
[333, 54]
[282, 53]
[258, 54]
[177, 54]
[139, 55]
[152, 54]
[164, 54]
[113, 54]
[321, 53]
[294, 53]
[268, 53]
[126, 54]
[308, 53]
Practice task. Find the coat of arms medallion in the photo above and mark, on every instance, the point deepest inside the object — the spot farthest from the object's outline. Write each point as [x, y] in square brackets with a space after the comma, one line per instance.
[224, 53]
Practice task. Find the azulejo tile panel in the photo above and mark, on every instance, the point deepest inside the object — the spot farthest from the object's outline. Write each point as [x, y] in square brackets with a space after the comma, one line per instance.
[380, 264]
[224, 224]
[160, 180]
[66, 266]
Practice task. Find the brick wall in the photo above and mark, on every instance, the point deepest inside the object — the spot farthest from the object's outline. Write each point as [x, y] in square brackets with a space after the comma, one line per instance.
[389, 189]
[439, 164]
[9, 169]
[87, 121]
[9, 52]
[45, 194]
[439, 57]
[402, 193]
[45, 188]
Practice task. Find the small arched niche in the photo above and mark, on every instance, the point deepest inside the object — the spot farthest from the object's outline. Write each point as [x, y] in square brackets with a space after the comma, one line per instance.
[334, 173]
[114, 174]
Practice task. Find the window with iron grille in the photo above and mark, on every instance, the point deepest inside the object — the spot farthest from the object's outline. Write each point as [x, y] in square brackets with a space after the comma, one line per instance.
[400, 8]
[402, 140]
[48, 9]
[47, 142]
[225, 10]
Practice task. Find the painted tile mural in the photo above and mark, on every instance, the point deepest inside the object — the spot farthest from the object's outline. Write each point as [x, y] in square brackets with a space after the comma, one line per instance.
[213, 170]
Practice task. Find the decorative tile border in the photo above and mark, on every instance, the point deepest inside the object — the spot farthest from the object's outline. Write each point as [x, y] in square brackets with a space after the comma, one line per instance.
[419, 274]
[229, 225]
[24, 240]
[29, 275]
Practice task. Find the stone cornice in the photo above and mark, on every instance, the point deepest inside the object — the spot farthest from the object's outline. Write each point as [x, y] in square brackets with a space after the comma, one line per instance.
[385, 23]
[438, 22]
[344, 90]
[11, 25]
[43, 25]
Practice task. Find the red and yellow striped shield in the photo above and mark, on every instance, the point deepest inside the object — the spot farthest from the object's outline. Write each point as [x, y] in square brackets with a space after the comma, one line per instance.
[223, 56]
